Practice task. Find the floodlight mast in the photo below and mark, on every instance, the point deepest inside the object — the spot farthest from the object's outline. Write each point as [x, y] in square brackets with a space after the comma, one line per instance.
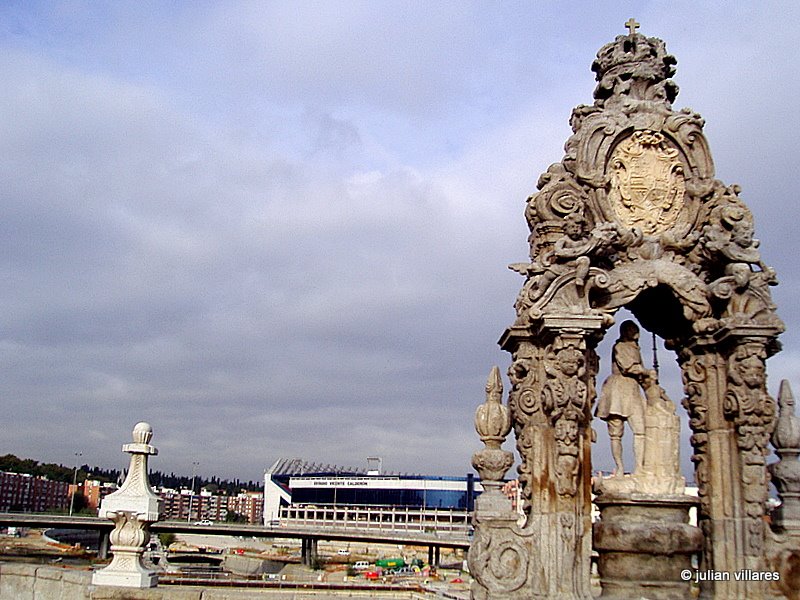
[374, 465]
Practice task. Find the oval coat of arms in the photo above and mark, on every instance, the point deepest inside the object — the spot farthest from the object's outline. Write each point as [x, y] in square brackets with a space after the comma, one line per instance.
[647, 182]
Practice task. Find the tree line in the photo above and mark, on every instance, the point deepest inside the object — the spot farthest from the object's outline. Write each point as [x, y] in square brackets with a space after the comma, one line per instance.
[55, 472]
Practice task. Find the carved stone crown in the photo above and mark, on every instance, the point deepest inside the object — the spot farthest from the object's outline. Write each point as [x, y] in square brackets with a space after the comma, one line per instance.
[635, 66]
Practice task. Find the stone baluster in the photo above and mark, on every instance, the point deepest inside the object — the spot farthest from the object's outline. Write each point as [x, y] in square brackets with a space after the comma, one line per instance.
[132, 508]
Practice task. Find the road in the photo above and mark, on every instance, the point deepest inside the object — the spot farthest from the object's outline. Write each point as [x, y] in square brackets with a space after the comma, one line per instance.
[345, 534]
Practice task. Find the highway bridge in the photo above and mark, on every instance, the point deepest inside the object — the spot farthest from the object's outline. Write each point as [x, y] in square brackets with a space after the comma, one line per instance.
[309, 535]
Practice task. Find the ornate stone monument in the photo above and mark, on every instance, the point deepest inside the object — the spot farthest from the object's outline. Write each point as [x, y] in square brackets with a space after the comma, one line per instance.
[633, 217]
[133, 508]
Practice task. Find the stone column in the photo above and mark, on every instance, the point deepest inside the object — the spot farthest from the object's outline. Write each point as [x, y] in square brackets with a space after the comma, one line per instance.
[132, 508]
[731, 417]
[552, 377]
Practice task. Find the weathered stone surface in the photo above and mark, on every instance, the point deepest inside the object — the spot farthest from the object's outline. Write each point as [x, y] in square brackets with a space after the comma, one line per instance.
[217, 594]
[17, 581]
[76, 585]
[552, 388]
[499, 555]
[48, 584]
[785, 560]
[166, 593]
[493, 422]
[644, 543]
[661, 471]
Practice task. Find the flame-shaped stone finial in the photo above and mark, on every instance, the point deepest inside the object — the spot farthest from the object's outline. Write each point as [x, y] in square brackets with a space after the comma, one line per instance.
[786, 472]
[492, 418]
[493, 422]
[787, 429]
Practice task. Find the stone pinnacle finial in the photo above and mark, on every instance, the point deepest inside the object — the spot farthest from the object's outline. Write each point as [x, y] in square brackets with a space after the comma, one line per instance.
[787, 428]
[494, 385]
[142, 434]
[493, 423]
[632, 26]
[492, 419]
[786, 472]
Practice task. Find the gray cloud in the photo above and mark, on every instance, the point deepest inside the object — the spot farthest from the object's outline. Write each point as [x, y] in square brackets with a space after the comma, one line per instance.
[275, 234]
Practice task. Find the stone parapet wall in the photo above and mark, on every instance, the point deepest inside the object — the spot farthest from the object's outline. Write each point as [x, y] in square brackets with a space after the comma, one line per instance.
[43, 582]
[29, 582]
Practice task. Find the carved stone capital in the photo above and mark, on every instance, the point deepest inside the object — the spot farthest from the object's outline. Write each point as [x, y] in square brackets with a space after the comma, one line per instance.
[492, 463]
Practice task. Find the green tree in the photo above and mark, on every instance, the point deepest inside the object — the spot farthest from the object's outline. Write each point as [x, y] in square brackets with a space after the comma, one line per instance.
[79, 502]
[234, 517]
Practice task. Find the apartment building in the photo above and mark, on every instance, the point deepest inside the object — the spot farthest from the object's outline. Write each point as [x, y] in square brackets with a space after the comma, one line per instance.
[21, 492]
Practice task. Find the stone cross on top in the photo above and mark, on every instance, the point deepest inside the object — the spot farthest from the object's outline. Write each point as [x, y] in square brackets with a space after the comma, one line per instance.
[632, 25]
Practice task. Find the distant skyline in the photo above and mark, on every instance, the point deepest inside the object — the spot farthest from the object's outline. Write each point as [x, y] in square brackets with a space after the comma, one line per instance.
[282, 229]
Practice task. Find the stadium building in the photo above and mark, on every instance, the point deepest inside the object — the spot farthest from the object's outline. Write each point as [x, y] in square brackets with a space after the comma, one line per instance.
[302, 493]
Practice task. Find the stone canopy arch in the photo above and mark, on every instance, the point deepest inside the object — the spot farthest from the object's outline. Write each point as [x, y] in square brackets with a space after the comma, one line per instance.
[632, 216]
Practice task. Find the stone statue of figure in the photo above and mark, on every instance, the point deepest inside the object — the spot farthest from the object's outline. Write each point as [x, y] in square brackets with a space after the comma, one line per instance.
[746, 287]
[570, 252]
[621, 397]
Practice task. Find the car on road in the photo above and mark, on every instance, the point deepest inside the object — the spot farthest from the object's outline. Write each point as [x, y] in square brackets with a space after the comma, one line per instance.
[376, 574]
[204, 522]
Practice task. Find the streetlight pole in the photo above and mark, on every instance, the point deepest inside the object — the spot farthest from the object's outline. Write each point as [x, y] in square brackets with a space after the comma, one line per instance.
[74, 483]
[191, 497]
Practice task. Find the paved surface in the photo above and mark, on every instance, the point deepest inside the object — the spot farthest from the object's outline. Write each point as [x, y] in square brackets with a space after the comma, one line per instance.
[43, 552]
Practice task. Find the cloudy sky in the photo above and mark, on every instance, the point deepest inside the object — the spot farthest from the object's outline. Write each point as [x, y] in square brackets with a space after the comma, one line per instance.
[278, 229]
